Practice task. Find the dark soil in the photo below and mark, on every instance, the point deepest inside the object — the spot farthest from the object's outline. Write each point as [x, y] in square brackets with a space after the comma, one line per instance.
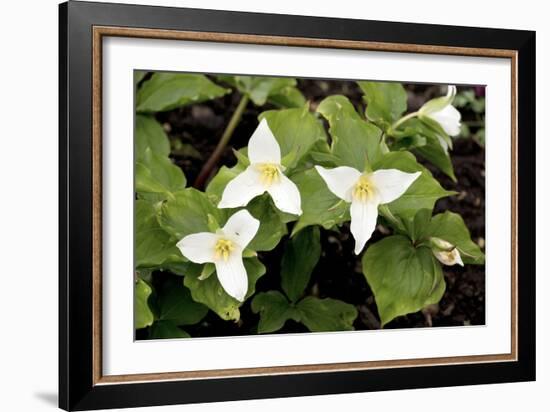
[338, 273]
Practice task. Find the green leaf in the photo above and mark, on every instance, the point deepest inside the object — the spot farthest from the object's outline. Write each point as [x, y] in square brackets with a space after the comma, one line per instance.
[429, 142]
[296, 130]
[175, 304]
[300, 258]
[386, 102]
[403, 279]
[336, 108]
[157, 175]
[320, 205]
[187, 212]
[166, 91]
[150, 134]
[417, 226]
[274, 310]
[210, 292]
[422, 194]
[153, 245]
[318, 315]
[450, 226]
[271, 229]
[259, 88]
[319, 154]
[166, 329]
[326, 315]
[139, 75]
[288, 97]
[143, 316]
[354, 141]
[439, 157]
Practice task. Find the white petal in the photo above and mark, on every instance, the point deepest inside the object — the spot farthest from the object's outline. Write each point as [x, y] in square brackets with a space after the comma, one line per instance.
[363, 222]
[262, 146]
[340, 180]
[198, 247]
[449, 258]
[232, 276]
[392, 183]
[286, 195]
[242, 189]
[449, 119]
[241, 228]
[458, 258]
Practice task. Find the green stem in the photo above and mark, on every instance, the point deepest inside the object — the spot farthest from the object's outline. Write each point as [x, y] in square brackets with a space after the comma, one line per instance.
[226, 136]
[402, 120]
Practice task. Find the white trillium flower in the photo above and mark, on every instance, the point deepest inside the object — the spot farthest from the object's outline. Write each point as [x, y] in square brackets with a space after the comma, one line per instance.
[446, 252]
[225, 249]
[443, 112]
[366, 191]
[264, 174]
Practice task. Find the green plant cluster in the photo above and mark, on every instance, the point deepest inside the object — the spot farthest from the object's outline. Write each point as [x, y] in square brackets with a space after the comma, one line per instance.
[401, 269]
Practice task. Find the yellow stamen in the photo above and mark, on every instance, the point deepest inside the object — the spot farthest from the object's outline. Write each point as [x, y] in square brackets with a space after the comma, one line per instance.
[363, 189]
[223, 249]
[269, 173]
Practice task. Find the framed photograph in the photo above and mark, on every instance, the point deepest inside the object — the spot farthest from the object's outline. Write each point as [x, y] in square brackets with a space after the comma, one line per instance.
[257, 205]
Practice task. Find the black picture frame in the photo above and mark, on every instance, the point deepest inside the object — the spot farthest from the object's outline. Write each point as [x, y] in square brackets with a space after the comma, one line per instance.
[77, 388]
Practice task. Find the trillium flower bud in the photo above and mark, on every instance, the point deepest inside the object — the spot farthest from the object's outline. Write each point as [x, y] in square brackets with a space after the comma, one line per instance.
[443, 112]
[445, 252]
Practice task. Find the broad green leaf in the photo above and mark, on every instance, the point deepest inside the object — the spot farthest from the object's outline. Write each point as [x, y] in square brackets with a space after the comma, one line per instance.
[274, 310]
[296, 130]
[157, 175]
[326, 315]
[153, 245]
[143, 316]
[439, 157]
[288, 97]
[450, 226]
[337, 108]
[166, 91]
[187, 212]
[319, 205]
[422, 194]
[175, 304]
[386, 102]
[300, 258]
[271, 229]
[318, 315]
[259, 88]
[210, 292]
[354, 141]
[417, 226]
[430, 143]
[319, 154]
[166, 329]
[403, 278]
[150, 134]
[138, 75]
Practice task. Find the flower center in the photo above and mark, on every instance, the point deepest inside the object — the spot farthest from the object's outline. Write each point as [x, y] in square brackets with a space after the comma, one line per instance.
[363, 189]
[223, 249]
[269, 173]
